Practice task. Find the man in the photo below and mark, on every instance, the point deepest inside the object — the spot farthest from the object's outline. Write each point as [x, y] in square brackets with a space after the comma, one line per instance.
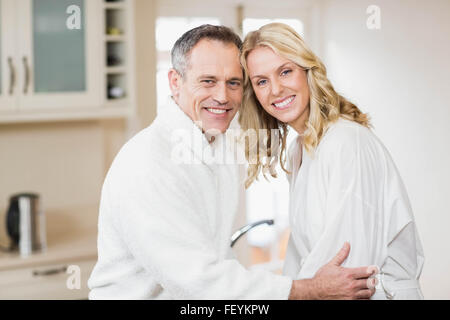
[165, 226]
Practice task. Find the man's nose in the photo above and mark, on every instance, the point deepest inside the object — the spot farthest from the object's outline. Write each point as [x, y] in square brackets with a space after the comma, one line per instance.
[221, 93]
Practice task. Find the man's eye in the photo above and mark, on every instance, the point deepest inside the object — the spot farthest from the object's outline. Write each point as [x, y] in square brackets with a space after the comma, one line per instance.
[235, 83]
[286, 72]
[207, 81]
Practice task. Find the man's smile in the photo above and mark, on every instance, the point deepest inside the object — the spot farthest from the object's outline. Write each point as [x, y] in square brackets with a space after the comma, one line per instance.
[217, 111]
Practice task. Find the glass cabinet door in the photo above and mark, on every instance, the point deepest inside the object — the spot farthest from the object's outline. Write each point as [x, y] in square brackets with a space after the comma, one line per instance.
[59, 40]
[59, 54]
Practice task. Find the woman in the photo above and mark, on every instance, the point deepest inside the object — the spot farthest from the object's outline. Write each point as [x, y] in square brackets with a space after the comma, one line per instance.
[344, 185]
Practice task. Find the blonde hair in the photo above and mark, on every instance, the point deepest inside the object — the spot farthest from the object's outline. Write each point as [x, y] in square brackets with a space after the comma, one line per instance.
[326, 105]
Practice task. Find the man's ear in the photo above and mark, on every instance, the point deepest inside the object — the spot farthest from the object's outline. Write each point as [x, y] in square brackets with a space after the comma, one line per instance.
[174, 82]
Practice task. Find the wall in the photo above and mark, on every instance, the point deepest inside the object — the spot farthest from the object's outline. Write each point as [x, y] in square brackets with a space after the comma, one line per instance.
[399, 74]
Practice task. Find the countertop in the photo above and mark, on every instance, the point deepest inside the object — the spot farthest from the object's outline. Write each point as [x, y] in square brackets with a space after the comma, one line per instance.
[71, 235]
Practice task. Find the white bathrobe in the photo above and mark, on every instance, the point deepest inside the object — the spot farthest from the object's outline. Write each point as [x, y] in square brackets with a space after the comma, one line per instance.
[350, 190]
[164, 226]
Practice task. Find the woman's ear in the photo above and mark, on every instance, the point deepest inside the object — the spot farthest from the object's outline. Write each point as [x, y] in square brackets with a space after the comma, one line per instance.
[174, 83]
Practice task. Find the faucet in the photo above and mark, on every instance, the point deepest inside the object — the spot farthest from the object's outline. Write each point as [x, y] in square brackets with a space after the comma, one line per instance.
[239, 233]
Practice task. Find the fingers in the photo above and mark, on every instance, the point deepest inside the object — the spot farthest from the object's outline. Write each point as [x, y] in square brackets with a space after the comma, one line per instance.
[365, 294]
[365, 283]
[373, 269]
[341, 255]
[371, 283]
[363, 272]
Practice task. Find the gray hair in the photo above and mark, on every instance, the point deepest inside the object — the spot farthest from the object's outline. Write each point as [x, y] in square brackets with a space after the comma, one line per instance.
[183, 46]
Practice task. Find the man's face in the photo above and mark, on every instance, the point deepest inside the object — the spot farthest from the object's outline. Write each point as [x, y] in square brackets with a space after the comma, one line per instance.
[211, 90]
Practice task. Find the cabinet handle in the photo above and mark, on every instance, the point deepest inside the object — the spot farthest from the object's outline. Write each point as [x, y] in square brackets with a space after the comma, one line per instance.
[49, 271]
[12, 76]
[27, 75]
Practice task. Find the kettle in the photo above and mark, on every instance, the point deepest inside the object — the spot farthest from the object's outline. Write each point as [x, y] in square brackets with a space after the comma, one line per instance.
[25, 223]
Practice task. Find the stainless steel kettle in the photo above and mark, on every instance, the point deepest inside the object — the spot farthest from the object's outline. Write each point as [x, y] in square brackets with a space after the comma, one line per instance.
[25, 222]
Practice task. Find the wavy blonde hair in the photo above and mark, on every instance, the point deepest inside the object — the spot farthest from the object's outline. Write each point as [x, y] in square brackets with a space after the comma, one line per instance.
[326, 105]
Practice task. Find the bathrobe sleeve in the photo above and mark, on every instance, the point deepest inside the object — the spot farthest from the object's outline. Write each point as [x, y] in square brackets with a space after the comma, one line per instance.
[161, 221]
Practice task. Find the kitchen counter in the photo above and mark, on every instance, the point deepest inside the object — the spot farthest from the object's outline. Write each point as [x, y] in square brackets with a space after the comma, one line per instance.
[71, 234]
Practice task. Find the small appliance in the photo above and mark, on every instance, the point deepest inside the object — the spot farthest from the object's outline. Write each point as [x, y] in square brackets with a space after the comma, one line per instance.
[25, 223]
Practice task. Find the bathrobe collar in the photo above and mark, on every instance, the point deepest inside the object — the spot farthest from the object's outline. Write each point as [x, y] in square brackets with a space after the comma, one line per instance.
[180, 124]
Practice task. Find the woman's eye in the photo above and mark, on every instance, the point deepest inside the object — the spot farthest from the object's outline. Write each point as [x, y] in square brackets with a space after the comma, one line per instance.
[207, 81]
[261, 82]
[286, 72]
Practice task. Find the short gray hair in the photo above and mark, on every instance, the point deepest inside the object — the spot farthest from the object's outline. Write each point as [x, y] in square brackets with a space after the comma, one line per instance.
[188, 40]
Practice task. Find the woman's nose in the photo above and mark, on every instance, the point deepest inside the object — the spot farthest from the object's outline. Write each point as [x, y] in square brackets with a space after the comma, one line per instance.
[276, 88]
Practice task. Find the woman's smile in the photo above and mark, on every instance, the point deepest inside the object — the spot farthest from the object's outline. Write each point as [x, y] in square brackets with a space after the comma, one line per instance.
[284, 103]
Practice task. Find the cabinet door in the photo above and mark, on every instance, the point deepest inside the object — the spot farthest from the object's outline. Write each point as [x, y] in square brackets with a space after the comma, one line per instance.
[59, 53]
[8, 55]
[45, 282]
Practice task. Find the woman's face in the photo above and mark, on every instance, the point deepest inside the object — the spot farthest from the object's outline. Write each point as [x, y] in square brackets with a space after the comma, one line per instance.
[280, 86]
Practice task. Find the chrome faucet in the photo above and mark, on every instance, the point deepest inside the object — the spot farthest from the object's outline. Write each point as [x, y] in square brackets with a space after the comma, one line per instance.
[239, 233]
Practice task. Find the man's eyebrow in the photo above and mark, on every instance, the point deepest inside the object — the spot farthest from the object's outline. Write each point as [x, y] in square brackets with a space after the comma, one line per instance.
[278, 69]
[236, 79]
[206, 76]
[211, 77]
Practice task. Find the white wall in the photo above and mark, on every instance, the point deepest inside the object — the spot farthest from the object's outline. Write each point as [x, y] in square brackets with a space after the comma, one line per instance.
[400, 74]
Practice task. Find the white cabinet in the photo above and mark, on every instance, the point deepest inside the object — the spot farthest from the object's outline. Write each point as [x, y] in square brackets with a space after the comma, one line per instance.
[8, 47]
[56, 58]
[44, 282]
[45, 63]
[53, 61]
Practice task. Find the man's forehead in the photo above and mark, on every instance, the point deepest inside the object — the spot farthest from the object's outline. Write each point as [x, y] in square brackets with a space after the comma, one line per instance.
[208, 66]
[215, 63]
[216, 72]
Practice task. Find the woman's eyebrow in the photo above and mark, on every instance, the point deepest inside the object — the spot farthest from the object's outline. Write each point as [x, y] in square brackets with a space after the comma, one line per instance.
[283, 65]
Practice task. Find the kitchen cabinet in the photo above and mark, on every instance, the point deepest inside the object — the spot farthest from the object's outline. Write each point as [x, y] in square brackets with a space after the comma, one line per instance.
[56, 58]
[47, 282]
[46, 64]
[53, 60]
[8, 72]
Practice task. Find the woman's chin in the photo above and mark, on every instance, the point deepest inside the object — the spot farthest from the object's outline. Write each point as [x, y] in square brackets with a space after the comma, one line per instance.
[289, 116]
[285, 118]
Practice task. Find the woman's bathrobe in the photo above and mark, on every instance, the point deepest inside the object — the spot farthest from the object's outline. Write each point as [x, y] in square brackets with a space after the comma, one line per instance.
[165, 221]
[350, 190]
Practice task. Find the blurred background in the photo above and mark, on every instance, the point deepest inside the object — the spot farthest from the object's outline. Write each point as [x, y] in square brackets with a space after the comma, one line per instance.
[79, 78]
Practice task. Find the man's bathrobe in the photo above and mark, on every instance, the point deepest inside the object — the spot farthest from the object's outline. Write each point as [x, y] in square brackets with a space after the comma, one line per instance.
[166, 219]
